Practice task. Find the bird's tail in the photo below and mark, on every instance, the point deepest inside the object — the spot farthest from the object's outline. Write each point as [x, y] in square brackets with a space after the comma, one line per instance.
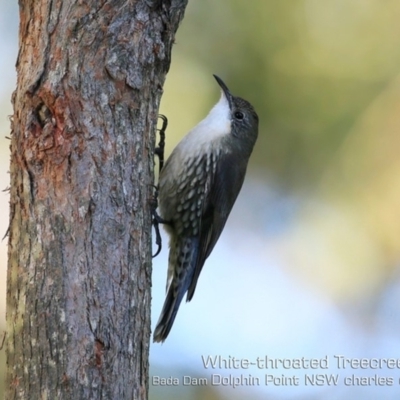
[182, 264]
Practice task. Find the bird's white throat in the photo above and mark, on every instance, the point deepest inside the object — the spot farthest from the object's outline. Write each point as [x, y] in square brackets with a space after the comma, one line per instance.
[216, 124]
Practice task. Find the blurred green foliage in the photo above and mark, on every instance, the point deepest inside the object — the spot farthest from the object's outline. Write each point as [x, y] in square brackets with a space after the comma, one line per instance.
[310, 67]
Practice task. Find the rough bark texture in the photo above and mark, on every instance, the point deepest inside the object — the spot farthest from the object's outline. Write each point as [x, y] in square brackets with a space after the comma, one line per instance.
[90, 77]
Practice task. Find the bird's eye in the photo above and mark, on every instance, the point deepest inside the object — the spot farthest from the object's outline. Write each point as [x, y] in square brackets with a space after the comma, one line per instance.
[239, 115]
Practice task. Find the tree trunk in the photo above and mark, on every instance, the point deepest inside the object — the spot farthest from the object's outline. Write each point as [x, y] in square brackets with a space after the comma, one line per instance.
[90, 77]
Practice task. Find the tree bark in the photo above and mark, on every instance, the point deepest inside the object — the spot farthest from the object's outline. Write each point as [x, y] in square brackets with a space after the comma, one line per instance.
[90, 78]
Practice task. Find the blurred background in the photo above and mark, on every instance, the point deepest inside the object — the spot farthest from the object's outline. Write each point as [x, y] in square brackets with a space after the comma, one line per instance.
[308, 264]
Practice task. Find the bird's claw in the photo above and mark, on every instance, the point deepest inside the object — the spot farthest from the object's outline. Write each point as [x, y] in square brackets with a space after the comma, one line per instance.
[159, 152]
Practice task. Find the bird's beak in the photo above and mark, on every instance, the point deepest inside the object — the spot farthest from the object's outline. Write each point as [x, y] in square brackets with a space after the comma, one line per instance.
[224, 88]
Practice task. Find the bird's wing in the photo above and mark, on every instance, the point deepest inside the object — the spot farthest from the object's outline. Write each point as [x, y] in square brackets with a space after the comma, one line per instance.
[222, 189]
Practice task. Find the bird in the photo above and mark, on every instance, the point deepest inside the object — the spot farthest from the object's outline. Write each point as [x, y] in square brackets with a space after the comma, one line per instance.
[198, 186]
